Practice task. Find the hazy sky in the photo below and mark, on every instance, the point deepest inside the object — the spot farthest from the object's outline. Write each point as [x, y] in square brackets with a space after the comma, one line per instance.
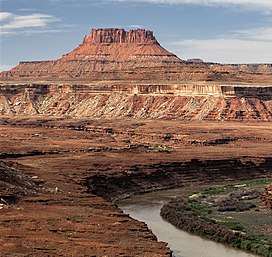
[226, 31]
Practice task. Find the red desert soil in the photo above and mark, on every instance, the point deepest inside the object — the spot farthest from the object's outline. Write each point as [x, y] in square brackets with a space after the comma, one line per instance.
[62, 217]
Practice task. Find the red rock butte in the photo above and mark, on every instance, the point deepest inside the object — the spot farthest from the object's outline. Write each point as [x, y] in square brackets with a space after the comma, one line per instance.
[113, 54]
[109, 54]
[120, 45]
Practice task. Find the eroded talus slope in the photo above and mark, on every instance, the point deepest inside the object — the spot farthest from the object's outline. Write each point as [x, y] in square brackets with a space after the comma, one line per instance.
[121, 104]
[98, 70]
[14, 184]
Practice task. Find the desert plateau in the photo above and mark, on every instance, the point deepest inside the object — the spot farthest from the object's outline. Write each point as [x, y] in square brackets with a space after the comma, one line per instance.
[121, 116]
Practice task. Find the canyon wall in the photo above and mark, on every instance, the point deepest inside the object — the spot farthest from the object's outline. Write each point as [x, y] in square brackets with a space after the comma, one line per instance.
[146, 178]
[118, 73]
[185, 102]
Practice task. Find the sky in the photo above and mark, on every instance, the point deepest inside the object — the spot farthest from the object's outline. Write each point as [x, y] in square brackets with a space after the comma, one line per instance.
[225, 31]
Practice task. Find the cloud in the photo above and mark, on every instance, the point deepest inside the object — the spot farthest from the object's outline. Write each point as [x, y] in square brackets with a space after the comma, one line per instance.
[248, 46]
[5, 15]
[135, 26]
[226, 50]
[11, 23]
[257, 34]
[262, 4]
[4, 67]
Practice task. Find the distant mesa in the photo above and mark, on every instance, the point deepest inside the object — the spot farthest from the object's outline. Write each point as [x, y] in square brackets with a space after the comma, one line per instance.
[110, 53]
[135, 55]
[119, 45]
[195, 60]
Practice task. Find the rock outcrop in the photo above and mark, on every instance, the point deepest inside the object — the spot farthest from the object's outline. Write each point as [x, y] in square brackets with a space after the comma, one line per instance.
[120, 45]
[182, 102]
[171, 175]
[265, 68]
[14, 184]
[267, 197]
[139, 36]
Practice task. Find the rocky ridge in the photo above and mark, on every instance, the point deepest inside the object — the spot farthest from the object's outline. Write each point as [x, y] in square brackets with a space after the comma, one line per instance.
[267, 197]
[182, 102]
[14, 184]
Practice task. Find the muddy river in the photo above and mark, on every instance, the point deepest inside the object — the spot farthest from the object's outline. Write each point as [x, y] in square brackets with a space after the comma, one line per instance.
[147, 208]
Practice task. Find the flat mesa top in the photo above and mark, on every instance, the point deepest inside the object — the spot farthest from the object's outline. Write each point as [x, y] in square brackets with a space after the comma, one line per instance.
[117, 35]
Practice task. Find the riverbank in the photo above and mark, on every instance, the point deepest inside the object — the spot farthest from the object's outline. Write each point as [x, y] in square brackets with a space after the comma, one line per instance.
[147, 208]
[232, 214]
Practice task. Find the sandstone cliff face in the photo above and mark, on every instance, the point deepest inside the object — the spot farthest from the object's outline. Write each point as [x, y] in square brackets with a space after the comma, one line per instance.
[192, 102]
[139, 36]
[120, 45]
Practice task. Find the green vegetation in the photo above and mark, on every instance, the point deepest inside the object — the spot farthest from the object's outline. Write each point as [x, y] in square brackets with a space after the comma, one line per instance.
[160, 148]
[214, 191]
[231, 225]
[199, 210]
[259, 182]
[201, 214]
[224, 189]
